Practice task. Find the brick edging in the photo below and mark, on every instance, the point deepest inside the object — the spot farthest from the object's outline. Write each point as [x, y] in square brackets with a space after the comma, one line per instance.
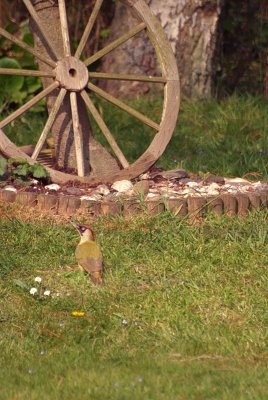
[230, 204]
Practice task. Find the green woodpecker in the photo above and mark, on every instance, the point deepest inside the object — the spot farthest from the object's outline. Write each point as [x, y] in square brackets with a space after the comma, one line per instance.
[88, 253]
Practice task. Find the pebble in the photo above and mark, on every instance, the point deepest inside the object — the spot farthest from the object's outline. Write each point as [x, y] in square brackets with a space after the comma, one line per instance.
[10, 189]
[192, 184]
[122, 186]
[236, 181]
[213, 192]
[214, 179]
[53, 186]
[93, 197]
[172, 174]
[141, 188]
[214, 186]
[74, 191]
[103, 190]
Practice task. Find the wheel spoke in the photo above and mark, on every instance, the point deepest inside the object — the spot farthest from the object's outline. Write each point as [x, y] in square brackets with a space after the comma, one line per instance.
[105, 130]
[24, 46]
[115, 44]
[28, 105]
[50, 122]
[77, 136]
[39, 24]
[123, 106]
[64, 28]
[89, 27]
[121, 77]
[26, 72]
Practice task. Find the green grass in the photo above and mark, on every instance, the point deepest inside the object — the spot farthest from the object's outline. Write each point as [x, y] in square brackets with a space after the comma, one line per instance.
[194, 297]
[227, 137]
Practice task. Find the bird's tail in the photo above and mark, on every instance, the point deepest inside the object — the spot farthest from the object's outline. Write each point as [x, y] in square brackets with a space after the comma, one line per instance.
[97, 278]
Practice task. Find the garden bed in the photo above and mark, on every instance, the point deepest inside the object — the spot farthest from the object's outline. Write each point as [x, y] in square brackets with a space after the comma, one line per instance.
[153, 193]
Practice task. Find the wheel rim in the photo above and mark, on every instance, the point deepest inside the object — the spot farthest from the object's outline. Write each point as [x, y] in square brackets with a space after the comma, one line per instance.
[71, 76]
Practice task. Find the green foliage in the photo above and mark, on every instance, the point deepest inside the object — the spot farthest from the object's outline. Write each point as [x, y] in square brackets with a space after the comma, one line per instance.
[244, 47]
[182, 314]
[3, 165]
[228, 137]
[17, 90]
[20, 168]
[8, 83]
[105, 33]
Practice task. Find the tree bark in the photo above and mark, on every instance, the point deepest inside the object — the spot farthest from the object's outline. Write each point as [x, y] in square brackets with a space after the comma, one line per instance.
[1, 14]
[192, 28]
[96, 157]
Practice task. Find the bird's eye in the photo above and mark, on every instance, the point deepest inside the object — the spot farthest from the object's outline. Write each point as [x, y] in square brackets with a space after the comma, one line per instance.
[83, 229]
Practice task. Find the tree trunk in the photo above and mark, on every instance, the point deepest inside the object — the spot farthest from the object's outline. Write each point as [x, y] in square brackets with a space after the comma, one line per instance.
[192, 28]
[1, 15]
[96, 157]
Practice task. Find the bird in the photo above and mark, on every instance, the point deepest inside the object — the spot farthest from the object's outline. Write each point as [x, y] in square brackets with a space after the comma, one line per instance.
[88, 253]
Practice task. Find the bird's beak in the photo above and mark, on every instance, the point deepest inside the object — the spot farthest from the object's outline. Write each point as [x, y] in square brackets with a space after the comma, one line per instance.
[75, 225]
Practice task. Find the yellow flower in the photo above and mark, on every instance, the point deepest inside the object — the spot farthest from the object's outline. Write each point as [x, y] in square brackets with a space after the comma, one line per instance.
[78, 313]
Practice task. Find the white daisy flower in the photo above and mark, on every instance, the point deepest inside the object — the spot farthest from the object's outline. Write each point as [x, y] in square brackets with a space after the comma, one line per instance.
[38, 279]
[47, 293]
[33, 291]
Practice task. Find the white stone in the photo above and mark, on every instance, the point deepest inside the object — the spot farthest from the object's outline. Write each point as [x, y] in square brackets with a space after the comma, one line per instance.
[212, 192]
[152, 196]
[102, 189]
[235, 180]
[144, 176]
[186, 191]
[122, 186]
[192, 184]
[154, 190]
[53, 186]
[194, 194]
[232, 190]
[247, 188]
[202, 190]
[10, 189]
[257, 184]
[93, 197]
[214, 186]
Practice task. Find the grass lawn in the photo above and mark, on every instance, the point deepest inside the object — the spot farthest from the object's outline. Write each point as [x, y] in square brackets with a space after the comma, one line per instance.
[183, 314]
[227, 137]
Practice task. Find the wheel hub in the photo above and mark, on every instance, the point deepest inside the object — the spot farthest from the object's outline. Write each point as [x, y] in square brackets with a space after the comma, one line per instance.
[72, 74]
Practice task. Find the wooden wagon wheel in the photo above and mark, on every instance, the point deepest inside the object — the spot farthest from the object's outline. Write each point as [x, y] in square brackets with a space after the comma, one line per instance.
[72, 77]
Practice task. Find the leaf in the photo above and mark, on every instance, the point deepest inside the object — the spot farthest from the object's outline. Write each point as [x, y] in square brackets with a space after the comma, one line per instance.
[10, 83]
[21, 170]
[21, 284]
[38, 171]
[17, 161]
[104, 33]
[3, 165]
[32, 84]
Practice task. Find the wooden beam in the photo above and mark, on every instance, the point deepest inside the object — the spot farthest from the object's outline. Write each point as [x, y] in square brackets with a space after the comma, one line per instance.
[28, 105]
[105, 130]
[26, 72]
[116, 43]
[77, 136]
[64, 28]
[123, 106]
[52, 116]
[39, 25]
[24, 46]
[89, 27]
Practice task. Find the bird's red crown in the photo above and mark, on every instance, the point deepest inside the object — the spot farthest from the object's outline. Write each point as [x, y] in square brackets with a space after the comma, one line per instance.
[82, 228]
